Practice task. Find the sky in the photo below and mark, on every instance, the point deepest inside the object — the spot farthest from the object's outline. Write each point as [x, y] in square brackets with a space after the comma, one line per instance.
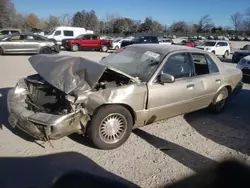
[165, 11]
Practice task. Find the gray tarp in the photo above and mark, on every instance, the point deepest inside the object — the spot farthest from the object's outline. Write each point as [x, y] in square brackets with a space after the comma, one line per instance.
[67, 73]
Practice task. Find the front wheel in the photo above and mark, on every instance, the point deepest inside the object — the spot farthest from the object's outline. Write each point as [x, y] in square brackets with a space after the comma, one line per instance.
[104, 48]
[74, 47]
[110, 127]
[46, 50]
[220, 101]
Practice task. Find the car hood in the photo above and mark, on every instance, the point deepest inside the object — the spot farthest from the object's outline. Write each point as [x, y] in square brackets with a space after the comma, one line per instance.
[68, 73]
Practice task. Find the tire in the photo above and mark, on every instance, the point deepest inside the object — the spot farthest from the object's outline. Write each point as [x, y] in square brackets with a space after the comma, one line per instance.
[226, 54]
[117, 48]
[74, 47]
[104, 48]
[1, 51]
[45, 50]
[97, 130]
[218, 106]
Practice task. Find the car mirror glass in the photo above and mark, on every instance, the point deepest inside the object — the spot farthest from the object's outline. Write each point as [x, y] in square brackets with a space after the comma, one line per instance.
[166, 78]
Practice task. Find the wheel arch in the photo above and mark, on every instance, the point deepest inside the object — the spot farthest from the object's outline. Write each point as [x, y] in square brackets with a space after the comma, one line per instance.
[129, 108]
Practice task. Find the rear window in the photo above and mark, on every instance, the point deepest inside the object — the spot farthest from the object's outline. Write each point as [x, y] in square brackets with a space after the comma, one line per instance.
[68, 33]
[4, 32]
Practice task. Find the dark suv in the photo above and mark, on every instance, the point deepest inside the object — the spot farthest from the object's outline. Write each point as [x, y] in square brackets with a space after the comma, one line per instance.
[140, 40]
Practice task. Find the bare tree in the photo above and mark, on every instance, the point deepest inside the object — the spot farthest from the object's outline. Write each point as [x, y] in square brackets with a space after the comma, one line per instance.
[204, 24]
[7, 10]
[237, 19]
[65, 19]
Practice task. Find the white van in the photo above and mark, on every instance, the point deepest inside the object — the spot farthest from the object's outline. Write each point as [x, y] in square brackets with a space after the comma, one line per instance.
[61, 32]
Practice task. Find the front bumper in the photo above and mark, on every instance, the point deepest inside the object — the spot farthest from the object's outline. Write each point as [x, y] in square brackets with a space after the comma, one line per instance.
[40, 125]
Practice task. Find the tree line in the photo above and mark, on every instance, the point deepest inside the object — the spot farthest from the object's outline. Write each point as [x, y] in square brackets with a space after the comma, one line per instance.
[112, 23]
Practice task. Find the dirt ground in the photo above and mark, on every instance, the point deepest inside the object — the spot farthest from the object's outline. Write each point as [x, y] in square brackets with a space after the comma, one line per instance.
[159, 153]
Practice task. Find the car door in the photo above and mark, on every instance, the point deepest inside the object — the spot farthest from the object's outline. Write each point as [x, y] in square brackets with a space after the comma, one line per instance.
[171, 99]
[220, 48]
[206, 78]
[86, 43]
[31, 44]
[13, 44]
[95, 41]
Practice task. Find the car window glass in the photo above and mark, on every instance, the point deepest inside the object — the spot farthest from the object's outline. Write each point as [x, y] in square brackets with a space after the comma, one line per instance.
[178, 65]
[225, 44]
[94, 37]
[219, 44]
[87, 37]
[68, 33]
[211, 65]
[201, 64]
[5, 32]
[14, 31]
[30, 37]
[57, 33]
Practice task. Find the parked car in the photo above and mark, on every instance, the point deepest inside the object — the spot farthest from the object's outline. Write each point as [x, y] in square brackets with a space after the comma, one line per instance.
[141, 40]
[136, 86]
[165, 41]
[244, 66]
[61, 32]
[9, 31]
[239, 54]
[116, 44]
[217, 47]
[27, 43]
[192, 43]
[87, 41]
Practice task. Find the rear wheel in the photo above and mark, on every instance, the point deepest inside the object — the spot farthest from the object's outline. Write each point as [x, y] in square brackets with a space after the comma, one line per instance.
[220, 101]
[117, 48]
[74, 47]
[45, 50]
[226, 54]
[110, 127]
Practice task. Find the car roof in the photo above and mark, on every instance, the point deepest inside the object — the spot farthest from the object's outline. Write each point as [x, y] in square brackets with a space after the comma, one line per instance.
[165, 49]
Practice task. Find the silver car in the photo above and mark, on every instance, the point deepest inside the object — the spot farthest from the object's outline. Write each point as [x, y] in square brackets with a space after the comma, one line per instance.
[136, 86]
[27, 44]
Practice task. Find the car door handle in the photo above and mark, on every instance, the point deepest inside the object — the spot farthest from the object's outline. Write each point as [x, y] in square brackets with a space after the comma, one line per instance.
[218, 81]
[190, 86]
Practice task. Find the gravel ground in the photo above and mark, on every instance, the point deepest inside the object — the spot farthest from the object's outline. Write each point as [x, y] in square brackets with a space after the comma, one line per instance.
[159, 153]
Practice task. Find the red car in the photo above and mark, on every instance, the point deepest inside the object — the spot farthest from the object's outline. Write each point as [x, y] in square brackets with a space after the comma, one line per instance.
[192, 43]
[87, 41]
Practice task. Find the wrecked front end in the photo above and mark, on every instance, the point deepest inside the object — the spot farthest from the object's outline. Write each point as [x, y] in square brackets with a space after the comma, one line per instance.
[43, 111]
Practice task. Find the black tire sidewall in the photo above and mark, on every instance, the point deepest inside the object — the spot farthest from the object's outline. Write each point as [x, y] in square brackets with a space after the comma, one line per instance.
[93, 127]
[46, 48]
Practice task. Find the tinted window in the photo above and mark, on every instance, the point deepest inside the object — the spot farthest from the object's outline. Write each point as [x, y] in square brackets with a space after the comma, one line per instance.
[203, 64]
[209, 44]
[5, 32]
[14, 31]
[178, 65]
[68, 33]
[246, 47]
[225, 44]
[58, 32]
[94, 37]
[87, 37]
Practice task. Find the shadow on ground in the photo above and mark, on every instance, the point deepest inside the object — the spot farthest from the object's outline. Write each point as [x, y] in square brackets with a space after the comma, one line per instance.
[188, 158]
[41, 171]
[4, 116]
[226, 60]
[231, 128]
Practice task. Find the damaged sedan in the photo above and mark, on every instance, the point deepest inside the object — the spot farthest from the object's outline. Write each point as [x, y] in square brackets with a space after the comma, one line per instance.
[105, 100]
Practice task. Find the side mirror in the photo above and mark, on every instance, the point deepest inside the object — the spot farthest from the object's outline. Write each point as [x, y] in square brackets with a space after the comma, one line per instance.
[166, 78]
[217, 45]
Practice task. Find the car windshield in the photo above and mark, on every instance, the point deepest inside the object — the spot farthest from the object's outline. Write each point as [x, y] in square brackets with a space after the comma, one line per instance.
[80, 36]
[51, 32]
[134, 61]
[208, 44]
